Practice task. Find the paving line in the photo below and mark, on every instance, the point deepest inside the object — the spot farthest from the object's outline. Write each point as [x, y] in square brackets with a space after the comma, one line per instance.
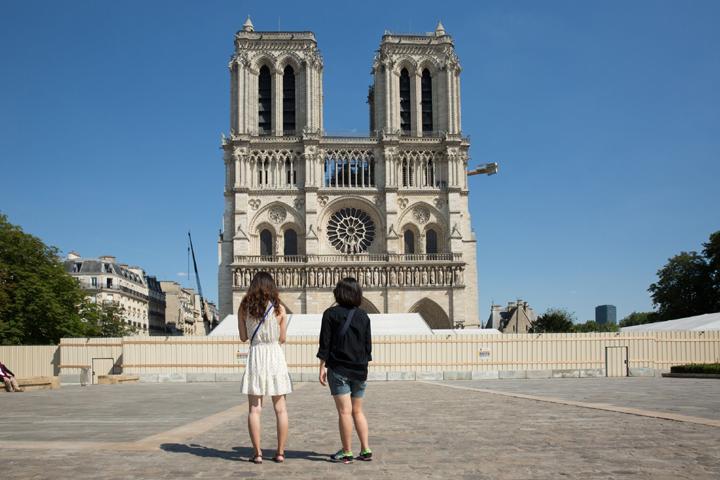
[595, 406]
[149, 443]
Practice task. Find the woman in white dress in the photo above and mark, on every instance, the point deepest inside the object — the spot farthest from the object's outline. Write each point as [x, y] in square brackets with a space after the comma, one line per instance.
[261, 319]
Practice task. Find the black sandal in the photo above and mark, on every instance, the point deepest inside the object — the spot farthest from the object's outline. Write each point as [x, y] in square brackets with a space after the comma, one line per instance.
[256, 459]
[279, 458]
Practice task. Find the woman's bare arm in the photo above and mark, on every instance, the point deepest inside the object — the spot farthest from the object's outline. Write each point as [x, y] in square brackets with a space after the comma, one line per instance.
[282, 320]
[242, 328]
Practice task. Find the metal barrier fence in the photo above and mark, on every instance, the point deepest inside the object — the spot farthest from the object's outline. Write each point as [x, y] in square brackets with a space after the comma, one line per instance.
[435, 353]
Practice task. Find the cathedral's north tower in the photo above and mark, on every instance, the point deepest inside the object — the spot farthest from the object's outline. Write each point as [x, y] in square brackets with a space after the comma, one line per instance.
[390, 208]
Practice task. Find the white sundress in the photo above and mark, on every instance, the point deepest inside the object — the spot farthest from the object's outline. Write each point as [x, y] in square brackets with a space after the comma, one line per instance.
[266, 371]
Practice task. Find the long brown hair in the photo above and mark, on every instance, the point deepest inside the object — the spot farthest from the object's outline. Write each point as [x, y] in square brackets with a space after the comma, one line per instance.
[262, 290]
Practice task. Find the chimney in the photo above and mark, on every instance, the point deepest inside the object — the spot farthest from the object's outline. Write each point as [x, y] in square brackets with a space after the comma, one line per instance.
[73, 255]
[108, 259]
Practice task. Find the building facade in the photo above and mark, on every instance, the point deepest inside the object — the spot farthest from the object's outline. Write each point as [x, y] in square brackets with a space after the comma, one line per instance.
[389, 208]
[517, 317]
[105, 280]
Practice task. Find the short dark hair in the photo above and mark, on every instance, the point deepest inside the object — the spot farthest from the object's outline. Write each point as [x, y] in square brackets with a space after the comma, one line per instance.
[348, 292]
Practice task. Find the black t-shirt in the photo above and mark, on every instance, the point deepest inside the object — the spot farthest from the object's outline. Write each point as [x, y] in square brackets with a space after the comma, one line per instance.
[349, 355]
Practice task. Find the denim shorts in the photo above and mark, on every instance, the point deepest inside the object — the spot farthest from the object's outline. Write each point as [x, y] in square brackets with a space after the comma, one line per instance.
[341, 385]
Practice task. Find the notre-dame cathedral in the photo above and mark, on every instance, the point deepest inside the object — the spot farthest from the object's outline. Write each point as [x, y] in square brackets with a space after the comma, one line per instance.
[389, 208]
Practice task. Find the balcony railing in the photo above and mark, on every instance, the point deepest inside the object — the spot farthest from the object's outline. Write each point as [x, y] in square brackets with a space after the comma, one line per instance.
[354, 258]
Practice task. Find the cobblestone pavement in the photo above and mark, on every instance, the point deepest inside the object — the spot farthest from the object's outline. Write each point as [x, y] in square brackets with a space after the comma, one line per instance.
[418, 430]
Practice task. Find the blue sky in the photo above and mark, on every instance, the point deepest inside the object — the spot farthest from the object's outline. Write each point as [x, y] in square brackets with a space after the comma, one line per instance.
[604, 117]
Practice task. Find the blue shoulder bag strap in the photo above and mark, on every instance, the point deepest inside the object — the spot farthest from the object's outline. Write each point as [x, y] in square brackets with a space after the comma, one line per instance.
[260, 324]
[346, 325]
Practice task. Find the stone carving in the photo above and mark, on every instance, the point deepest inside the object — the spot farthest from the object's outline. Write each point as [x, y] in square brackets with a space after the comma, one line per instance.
[255, 203]
[299, 203]
[241, 234]
[322, 200]
[438, 202]
[455, 233]
[424, 276]
[277, 214]
[402, 203]
[421, 214]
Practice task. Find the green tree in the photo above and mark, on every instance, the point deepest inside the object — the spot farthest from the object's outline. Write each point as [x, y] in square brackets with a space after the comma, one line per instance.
[39, 301]
[684, 287]
[593, 326]
[711, 250]
[554, 320]
[639, 318]
[105, 319]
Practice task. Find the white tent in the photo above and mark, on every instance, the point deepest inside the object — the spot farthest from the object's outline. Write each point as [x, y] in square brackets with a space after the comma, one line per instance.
[381, 324]
[709, 321]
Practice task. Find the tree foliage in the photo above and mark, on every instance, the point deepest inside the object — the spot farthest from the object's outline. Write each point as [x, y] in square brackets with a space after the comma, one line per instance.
[689, 284]
[554, 320]
[593, 326]
[105, 319]
[39, 301]
[639, 318]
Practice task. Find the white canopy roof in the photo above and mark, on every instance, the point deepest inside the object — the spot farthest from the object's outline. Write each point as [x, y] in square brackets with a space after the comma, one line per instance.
[709, 321]
[381, 323]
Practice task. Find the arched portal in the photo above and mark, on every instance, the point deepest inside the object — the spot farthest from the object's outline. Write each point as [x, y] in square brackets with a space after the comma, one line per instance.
[432, 313]
[368, 306]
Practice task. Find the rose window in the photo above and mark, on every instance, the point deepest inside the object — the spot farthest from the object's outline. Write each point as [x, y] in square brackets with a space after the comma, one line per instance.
[350, 230]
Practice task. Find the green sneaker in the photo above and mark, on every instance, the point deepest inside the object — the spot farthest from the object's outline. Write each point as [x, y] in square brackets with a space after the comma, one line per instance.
[365, 455]
[342, 456]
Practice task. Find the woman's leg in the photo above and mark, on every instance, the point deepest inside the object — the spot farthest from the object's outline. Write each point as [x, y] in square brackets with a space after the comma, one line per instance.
[255, 409]
[282, 422]
[345, 419]
[361, 426]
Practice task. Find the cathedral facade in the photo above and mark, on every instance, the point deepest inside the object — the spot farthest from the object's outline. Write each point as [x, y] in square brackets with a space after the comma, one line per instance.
[390, 208]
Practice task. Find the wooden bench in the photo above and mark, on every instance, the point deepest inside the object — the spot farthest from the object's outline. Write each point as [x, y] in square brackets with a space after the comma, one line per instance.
[37, 383]
[115, 379]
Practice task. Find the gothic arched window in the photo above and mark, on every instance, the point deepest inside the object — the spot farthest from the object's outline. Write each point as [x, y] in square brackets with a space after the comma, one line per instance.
[426, 101]
[409, 237]
[405, 101]
[431, 242]
[290, 242]
[288, 101]
[264, 101]
[266, 243]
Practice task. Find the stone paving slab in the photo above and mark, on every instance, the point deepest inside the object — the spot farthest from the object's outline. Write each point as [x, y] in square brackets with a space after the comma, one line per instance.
[418, 430]
[687, 396]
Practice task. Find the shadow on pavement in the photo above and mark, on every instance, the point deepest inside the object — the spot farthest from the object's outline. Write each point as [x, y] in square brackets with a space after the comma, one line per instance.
[238, 454]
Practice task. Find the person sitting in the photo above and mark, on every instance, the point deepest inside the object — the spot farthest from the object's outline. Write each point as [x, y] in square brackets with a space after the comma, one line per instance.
[8, 378]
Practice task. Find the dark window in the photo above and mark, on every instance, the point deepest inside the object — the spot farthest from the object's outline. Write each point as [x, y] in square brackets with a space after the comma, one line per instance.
[406, 174]
[290, 173]
[290, 242]
[109, 282]
[431, 243]
[266, 243]
[264, 101]
[93, 281]
[288, 101]
[426, 101]
[404, 101]
[409, 241]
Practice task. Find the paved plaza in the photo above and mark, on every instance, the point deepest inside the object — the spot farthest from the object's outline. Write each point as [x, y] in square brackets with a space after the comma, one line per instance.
[553, 428]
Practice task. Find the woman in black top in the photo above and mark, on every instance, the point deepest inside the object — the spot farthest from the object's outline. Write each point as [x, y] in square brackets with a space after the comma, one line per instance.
[344, 353]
